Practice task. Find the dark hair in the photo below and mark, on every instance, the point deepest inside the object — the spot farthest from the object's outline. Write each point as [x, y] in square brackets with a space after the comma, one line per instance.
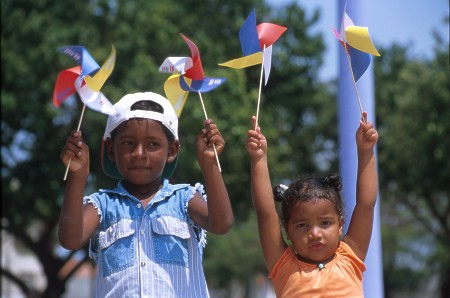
[148, 105]
[309, 189]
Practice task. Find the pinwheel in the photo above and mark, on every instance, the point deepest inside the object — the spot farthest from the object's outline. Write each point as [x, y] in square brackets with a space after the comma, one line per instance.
[256, 44]
[358, 47]
[188, 77]
[86, 79]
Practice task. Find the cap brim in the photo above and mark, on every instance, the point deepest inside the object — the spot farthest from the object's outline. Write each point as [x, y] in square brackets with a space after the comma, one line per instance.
[109, 167]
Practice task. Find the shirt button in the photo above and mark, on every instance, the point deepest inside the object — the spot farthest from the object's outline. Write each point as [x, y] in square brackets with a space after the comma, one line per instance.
[138, 205]
[142, 232]
[142, 264]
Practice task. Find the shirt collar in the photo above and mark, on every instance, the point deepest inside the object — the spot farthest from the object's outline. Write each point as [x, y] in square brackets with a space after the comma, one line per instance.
[166, 190]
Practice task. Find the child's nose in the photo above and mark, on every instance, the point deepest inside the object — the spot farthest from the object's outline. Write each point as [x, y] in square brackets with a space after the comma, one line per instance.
[139, 150]
[314, 232]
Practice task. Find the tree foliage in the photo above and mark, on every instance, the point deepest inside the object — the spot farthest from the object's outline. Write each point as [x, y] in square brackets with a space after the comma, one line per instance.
[144, 34]
[297, 114]
[413, 122]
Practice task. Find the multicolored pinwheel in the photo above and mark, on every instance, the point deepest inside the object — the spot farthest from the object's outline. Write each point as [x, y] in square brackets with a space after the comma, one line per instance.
[188, 77]
[256, 44]
[358, 47]
[86, 79]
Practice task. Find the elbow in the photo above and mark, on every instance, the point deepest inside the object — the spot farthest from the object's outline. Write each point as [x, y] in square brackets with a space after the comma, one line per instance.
[69, 245]
[224, 227]
[68, 242]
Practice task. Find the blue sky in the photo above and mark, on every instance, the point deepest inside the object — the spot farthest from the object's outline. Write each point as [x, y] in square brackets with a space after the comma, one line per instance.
[405, 22]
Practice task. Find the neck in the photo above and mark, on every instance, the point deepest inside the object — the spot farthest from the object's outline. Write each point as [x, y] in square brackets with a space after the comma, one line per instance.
[143, 192]
[309, 261]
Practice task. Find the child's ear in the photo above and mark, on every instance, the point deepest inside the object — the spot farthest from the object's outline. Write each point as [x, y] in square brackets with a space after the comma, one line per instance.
[341, 226]
[109, 145]
[174, 148]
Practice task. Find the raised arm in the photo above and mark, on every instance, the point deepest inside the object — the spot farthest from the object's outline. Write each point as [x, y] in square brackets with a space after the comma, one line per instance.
[76, 222]
[270, 235]
[215, 215]
[360, 228]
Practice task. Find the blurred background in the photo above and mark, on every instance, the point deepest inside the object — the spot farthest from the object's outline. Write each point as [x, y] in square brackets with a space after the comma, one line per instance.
[297, 113]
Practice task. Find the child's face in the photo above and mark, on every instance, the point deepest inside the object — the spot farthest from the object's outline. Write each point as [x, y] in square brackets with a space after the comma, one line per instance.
[314, 229]
[140, 149]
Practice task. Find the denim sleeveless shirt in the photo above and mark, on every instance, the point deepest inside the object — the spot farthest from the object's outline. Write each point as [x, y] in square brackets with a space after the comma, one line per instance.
[151, 252]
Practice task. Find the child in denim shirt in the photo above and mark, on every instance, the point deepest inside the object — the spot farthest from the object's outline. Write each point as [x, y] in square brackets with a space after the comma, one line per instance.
[146, 235]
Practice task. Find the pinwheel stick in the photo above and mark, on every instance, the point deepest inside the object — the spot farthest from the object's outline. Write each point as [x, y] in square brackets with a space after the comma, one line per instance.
[78, 129]
[206, 117]
[260, 87]
[353, 78]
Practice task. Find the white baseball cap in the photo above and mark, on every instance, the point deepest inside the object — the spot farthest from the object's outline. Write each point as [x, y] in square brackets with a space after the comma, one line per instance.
[121, 112]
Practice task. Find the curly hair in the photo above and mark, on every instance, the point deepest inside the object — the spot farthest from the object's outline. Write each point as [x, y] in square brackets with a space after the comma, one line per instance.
[309, 189]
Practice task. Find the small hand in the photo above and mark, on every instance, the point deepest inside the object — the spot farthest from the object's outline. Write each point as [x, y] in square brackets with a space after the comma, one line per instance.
[256, 142]
[366, 135]
[76, 151]
[208, 138]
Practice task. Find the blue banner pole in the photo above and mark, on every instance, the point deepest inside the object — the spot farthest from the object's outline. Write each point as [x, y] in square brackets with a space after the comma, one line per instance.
[348, 121]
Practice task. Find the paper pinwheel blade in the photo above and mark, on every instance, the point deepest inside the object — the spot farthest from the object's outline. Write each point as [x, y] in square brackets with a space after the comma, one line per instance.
[196, 71]
[98, 80]
[360, 61]
[269, 33]
[82, 58]
[248, 35]
[245, 61]
[205, 85]
[176, 64]
[175, 94]
[92, 99]
[358, 37]
[65, 84]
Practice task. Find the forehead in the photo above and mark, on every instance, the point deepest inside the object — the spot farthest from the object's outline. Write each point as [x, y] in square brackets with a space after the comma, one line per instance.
[311, 209]
[139, 126]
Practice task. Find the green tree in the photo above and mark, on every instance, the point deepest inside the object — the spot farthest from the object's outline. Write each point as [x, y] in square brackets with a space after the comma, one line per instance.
[294, 109]
[413, 120]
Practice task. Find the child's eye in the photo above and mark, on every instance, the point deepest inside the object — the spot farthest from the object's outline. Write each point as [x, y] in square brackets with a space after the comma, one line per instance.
[152, 144]
[326, 223]
[301, 225]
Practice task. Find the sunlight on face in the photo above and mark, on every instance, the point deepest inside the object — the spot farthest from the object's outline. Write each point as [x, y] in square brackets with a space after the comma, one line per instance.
[314, 229]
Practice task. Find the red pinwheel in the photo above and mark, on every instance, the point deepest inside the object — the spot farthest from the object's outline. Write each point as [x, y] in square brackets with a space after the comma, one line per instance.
[188, 77]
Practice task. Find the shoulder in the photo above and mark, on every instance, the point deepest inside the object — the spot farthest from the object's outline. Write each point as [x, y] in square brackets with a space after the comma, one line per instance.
[287, 258]
[346, 253]
[183, 190]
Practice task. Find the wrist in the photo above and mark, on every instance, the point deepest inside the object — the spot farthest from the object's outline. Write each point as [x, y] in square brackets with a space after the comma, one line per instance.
[81, 173]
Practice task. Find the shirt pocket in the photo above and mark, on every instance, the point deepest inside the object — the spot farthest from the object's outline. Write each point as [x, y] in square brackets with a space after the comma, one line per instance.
[117, 247]
[171, 237]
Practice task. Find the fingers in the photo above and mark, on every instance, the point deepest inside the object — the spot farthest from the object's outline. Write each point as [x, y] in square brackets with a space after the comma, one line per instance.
[363, 118]
[363, 124]
[73, 147]
[370, 135]
[211, 134]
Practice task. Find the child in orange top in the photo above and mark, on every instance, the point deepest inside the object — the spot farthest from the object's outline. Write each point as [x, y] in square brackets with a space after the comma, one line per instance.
[317, 262]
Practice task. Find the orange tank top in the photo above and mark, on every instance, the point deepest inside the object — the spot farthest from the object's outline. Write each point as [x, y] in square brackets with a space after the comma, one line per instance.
[341, 277]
